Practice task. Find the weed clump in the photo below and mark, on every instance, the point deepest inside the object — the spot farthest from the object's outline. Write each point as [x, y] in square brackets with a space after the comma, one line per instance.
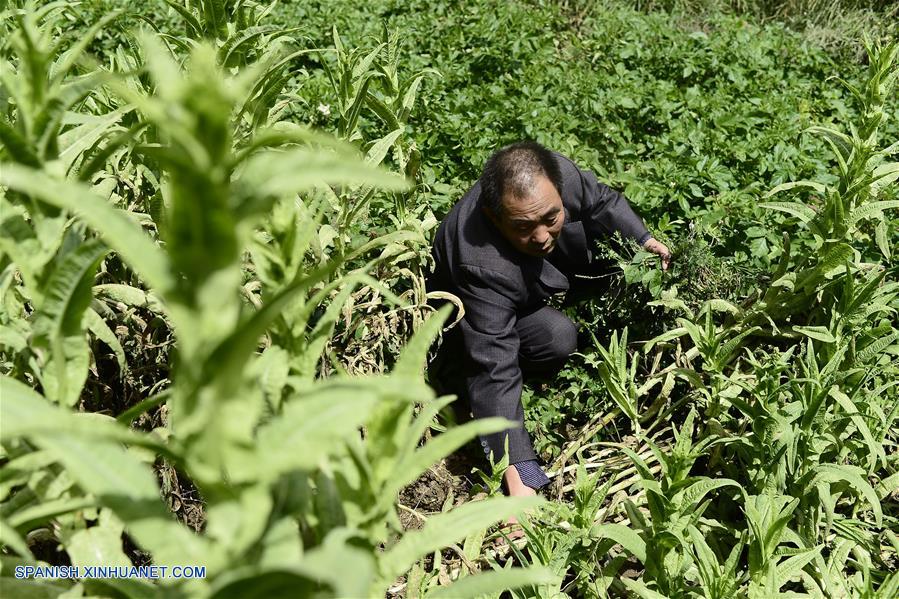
[644, 298]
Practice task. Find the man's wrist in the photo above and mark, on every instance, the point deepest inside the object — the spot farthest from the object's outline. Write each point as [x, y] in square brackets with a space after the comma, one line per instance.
[644, 238]
[531, 474]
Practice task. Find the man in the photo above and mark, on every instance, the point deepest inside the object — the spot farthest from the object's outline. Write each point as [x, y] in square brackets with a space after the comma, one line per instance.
[516, 238]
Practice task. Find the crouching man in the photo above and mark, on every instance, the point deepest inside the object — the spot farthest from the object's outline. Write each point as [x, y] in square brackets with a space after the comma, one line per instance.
[517, 237]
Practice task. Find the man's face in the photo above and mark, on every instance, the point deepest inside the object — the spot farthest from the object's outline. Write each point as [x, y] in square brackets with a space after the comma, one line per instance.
[532, 223]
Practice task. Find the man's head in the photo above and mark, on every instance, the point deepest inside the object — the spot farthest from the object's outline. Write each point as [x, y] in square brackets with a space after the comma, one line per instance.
[521, 190]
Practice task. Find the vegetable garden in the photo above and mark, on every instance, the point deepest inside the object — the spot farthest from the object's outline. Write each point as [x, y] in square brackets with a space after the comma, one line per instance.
[215, 224]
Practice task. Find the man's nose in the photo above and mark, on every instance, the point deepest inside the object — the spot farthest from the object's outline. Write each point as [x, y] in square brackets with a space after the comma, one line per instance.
[541, 235]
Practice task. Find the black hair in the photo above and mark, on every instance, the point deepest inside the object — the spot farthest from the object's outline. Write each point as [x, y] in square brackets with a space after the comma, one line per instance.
[512, 169]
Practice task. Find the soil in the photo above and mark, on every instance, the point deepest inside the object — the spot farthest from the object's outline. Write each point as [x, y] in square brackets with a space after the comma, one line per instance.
[450, 479]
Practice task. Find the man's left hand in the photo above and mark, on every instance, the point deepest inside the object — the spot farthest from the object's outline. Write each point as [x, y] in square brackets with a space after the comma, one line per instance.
[657, 247]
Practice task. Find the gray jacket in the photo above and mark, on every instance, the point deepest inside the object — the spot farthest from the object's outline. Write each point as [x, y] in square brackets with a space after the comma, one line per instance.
[496, 283]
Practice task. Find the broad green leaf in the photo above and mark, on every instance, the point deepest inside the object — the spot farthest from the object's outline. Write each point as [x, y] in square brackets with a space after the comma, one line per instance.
[333, 569]
[720, 305]
[284, 133]
[19, 469]
[872, 209]
[836, 473]
[875, 450]
[491, 583]
[623, 535]
[672, 304]
[473, 544]
[255, 581]
[836, 257]
[379, 149]
[311, 427]
[128, 487]
[791, 566]
[439, 447]
[271, 370]
[239, 522]
[26, 413]
[99, 545]
[30, 245]
[116, 478]
[235, 48]
[412, 91]
[800, 211]
[117, 229]
[11, 539]
[888, 486]
[35, 589]
[890, 586]
[728, 348]
[698, 490]
[880, 237]
[85, 136]
[282, 545]
[66, 369]
[446, 528]
[129, 296]
[882, 176]
[333, 559]
[189, 18]
[706, 560]
[58, 322]
[818, 333]
[383, 112]
[640, 589]
[101, 331]
[412, 359]
[279, 173]
[45, 511]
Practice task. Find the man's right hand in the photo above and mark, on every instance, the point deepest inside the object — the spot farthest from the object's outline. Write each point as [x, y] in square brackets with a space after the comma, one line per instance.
[516, 488]
[514, 485]
[657, 247]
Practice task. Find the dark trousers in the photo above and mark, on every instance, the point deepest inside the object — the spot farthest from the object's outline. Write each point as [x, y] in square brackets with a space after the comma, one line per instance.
[547, 338]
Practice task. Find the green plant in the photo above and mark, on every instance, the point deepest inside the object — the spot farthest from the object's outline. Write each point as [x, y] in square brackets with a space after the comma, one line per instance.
[676, 504]
[263, 460]
[199, 307]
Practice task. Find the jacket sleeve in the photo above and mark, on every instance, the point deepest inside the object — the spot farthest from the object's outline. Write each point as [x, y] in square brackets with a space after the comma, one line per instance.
[604, 211]
[493, 376]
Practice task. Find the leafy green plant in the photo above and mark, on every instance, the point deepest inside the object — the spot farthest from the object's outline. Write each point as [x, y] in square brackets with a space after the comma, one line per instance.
[676, 504]
[262, 469]
[492, 482]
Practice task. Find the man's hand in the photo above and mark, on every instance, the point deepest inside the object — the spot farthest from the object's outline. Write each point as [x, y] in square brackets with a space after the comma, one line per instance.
[657, 247]
[514, 485]
[516, 488]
